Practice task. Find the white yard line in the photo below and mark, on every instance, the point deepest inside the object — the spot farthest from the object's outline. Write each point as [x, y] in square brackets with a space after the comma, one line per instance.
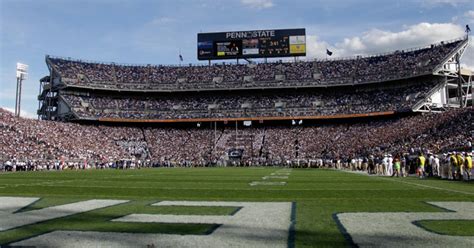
[263, 183]
[36, 184]
[43, 183]
[274, 177]
[279, 174]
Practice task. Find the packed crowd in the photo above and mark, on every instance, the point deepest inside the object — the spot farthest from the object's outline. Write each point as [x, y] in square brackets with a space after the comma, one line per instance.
[399, 64]
[28, 141]
[428, 132]
[48, 140]
[307, 103]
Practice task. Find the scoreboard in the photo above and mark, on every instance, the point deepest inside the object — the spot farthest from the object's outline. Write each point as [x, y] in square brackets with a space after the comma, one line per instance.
[252, 44]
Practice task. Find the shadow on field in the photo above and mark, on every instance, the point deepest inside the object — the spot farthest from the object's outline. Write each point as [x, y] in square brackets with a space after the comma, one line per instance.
[321, 239]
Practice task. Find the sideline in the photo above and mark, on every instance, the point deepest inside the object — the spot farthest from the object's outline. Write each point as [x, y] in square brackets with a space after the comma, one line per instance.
[410, 183]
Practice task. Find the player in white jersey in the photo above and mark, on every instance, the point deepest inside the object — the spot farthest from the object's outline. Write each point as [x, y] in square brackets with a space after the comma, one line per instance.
[353, 164]
[385, 165]
[390, 165]
[435, 165]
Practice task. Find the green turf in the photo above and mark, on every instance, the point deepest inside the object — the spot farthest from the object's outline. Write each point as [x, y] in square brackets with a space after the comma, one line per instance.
[449, 227]
[318, 195]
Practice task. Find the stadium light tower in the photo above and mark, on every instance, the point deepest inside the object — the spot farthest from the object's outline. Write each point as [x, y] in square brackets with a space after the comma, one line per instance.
[21, 74]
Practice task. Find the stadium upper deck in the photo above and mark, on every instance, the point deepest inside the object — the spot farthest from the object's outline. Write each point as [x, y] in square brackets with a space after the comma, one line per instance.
[359, 70]
[77, 90]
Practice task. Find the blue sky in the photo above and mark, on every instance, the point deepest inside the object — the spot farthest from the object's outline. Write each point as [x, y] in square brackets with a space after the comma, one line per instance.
[153, 32]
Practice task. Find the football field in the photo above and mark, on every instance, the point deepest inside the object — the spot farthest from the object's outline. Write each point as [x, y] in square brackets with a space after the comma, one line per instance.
[247, 207]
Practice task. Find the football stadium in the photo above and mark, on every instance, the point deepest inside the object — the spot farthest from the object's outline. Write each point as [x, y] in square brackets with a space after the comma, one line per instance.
[256, 144]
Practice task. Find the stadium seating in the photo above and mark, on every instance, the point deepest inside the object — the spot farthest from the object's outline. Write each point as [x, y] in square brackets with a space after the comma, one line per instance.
[358, 70]
[300, 103]
[37, 141]
[92, 92]
[391, 82]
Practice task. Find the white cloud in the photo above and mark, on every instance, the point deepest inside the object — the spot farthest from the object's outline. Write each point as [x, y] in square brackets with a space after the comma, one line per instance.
[23, 113]
[377, 41]
[355, 44]
[316, 48]
[258, 4]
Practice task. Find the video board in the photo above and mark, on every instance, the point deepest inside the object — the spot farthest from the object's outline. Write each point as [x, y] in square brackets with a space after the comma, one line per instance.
[252, 44]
